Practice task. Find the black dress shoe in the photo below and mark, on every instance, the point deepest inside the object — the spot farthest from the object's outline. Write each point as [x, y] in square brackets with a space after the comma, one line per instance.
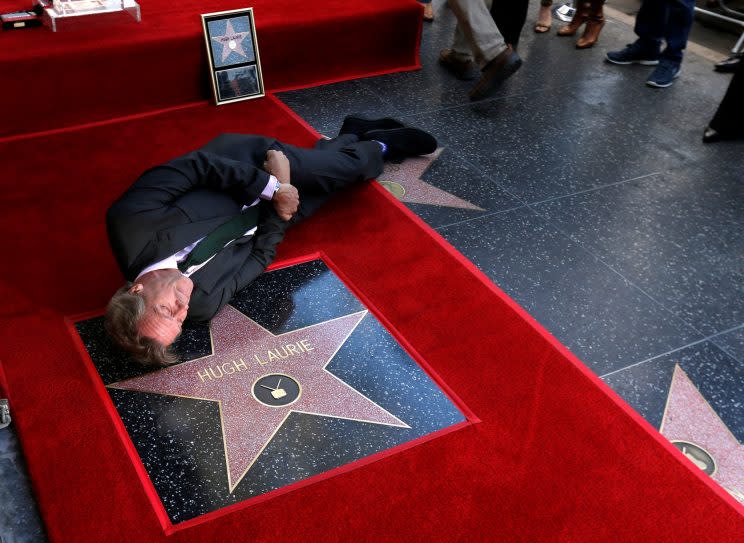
[403, 142]
[354, 124]
[729, 65]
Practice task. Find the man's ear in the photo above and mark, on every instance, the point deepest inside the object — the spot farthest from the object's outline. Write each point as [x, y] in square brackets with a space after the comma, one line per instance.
[136, 288]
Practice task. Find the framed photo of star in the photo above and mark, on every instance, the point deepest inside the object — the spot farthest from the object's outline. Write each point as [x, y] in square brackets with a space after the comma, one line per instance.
[232, 51]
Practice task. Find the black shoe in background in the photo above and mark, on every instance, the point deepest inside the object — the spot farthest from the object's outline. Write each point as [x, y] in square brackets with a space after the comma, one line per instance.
[729, 65]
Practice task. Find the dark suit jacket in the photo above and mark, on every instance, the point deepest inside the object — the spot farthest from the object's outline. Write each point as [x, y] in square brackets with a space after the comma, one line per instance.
[173, 205]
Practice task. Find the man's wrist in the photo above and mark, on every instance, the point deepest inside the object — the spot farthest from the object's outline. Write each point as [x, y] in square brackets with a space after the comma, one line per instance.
[277, 186]
[271, 188]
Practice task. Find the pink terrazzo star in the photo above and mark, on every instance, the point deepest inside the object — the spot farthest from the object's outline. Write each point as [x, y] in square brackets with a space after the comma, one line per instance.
[243, 353]
[231, 41]
[405, 183]
[689, 418]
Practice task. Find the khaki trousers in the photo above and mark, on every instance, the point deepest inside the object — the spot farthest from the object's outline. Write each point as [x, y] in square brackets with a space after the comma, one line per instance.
[476, 33]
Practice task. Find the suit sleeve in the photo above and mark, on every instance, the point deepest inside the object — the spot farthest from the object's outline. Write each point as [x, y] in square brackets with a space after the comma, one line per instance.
[162, 185]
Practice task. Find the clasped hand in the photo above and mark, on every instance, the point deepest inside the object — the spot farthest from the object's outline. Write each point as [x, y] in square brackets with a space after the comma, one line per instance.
[286, 200]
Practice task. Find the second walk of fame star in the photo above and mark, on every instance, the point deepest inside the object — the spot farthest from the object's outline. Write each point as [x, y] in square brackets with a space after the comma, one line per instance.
[258, 379]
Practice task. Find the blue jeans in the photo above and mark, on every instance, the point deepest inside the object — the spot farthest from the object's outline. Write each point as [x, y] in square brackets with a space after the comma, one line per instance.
[668, 20]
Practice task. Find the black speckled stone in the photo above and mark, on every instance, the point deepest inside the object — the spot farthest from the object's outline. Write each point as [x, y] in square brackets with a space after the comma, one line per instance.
[732, 342]
[604, 320]
[434, 87]
[325, 107]
[528, 150]
[679, 236]
[180, 439]
[718, 377]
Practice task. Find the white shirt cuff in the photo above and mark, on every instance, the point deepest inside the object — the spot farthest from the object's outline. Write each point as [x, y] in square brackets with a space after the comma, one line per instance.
[268, 191]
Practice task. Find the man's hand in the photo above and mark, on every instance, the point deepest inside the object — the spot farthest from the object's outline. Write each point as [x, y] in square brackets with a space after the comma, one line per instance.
[277, 164]
[286, 200]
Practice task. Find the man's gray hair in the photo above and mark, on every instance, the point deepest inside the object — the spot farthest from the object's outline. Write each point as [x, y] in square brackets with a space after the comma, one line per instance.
[123, 315]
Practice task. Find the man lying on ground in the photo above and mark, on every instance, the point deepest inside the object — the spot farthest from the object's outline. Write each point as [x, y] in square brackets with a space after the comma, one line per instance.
[190, 233]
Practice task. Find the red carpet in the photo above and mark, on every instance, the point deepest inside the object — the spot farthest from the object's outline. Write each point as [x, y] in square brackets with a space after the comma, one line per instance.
[556, 456]
[52, 80]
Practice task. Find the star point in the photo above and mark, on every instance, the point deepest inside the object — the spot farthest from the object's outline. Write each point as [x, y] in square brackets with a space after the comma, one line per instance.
[696, 429]
[405, 183]
[258, 379]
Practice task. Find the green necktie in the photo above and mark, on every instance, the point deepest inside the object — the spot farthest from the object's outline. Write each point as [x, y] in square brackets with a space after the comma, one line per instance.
[217, 238]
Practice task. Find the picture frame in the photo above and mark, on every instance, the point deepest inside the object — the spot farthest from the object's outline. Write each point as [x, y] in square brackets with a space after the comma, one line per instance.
[232, 51]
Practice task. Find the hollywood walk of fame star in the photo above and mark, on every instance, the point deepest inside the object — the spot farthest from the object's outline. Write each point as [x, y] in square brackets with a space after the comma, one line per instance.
[690, 420]
[405, 183]
[231, 41]
[259, 379]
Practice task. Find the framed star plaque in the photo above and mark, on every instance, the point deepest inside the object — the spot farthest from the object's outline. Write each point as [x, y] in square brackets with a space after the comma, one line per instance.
[294, 381]
[232, 50]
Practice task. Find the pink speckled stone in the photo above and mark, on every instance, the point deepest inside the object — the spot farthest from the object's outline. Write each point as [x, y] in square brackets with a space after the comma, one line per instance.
[408, 175]
[240, 357]
[690, 418]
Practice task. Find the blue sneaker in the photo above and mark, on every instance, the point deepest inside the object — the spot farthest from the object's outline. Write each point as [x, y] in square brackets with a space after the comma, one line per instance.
[634, 53]
[664, 74]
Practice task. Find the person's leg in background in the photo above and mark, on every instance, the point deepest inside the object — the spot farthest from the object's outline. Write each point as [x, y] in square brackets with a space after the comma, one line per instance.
[483, 38]
[676, 30]
[544, 17]
[594, 24]
[458, 58]
[650, 27]
[428, 11]
[509, 17]
[680, 16]
[497, 60]
[728, 122]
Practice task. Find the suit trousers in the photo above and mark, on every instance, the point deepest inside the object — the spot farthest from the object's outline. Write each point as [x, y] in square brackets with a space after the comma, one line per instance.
[317, 173]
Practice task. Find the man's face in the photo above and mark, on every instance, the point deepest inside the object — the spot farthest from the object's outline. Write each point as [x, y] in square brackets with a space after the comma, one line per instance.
[166, 294]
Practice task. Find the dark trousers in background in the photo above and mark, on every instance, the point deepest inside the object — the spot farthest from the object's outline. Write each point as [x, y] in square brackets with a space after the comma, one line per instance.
[509, 16]
[667, 20]
[729, 119]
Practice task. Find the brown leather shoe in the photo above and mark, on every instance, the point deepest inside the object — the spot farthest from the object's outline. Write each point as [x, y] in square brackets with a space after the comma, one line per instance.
[461, 68]
[580, 16]
[496, 72]
[593, 27]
